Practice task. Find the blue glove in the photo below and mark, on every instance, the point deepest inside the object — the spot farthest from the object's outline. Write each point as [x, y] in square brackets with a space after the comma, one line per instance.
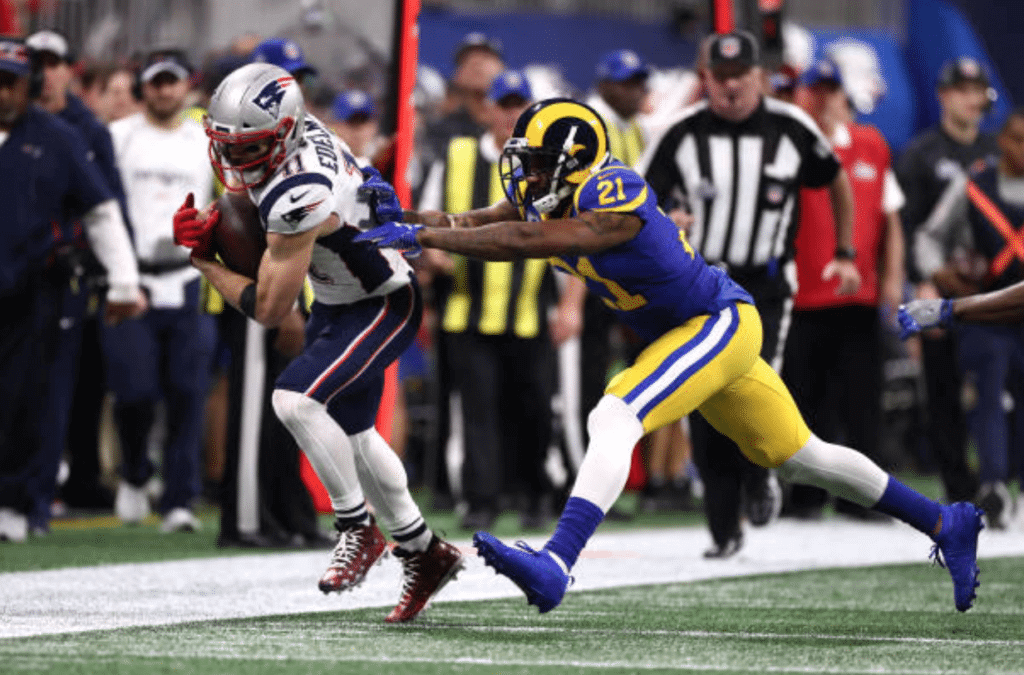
[394, 235]
[381, 196]
[918, 315]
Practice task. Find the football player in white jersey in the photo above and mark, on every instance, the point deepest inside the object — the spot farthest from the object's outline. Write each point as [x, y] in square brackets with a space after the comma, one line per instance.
[312, 201]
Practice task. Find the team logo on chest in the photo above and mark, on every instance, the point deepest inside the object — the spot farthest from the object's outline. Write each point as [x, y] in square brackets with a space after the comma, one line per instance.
[270, 97]
[864, 171]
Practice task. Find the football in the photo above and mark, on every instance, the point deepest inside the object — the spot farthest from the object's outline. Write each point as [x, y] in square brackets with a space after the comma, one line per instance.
[239, 235]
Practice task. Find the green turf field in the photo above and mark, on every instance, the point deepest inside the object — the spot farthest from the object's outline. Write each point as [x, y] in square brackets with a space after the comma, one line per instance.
[889, 619]
[875, 620]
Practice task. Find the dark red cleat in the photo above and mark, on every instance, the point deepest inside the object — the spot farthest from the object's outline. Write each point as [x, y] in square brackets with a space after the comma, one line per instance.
[359, 548]
[424, 574]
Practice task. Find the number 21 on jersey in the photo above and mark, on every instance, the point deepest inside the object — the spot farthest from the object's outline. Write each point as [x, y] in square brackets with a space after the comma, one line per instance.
[624, 300]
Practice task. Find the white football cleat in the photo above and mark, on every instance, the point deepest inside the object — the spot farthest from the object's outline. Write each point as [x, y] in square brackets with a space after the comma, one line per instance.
[131, 504]
[13, 525]
[180, 519]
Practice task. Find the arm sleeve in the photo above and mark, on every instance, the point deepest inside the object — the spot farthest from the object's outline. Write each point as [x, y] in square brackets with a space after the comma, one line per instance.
[820, 164]
[86, 186]
[660, 171]
[430, 197]
[893, 198]
[946, 226]
[109, 239]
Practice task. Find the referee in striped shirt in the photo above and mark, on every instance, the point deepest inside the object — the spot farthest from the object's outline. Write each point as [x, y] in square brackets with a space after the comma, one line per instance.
[733, 165]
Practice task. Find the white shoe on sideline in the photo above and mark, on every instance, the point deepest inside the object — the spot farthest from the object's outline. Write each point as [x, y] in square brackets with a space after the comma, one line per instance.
[180, 519]
[13, 525]
[131, 504]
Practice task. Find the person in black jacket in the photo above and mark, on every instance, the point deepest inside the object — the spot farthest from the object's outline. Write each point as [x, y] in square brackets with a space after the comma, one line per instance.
[46, 178]
[928, 164]
[981, 214]
[76, 371]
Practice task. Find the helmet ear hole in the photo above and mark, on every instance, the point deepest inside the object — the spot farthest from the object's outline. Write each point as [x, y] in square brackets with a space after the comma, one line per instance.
[571, 136]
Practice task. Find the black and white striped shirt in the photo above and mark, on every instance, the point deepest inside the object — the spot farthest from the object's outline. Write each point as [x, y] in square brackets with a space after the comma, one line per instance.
[741, 182]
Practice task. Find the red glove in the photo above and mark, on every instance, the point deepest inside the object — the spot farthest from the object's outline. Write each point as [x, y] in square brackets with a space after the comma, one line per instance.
[195, 232]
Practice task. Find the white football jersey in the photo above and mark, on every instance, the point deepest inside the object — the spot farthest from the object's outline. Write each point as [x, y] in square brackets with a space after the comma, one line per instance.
[159, 167]
[321, 179]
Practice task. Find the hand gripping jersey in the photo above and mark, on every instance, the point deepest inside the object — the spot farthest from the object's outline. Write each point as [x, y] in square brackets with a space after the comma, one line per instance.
[321, 179]
[656, 281]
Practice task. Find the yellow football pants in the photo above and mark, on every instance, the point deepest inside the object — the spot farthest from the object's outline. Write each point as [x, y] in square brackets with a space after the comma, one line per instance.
[712, 364]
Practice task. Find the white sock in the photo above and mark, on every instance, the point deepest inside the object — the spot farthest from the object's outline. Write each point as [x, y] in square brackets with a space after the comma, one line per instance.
[326, 446]
[383, 477]
[842, 471]
[614, 431]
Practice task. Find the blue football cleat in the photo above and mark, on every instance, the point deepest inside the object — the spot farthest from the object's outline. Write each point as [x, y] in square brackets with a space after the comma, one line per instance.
[534, 572]
[956, 549]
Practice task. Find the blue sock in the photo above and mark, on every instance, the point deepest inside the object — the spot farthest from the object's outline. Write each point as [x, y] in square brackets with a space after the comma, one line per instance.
[578, 521]
[910, 506]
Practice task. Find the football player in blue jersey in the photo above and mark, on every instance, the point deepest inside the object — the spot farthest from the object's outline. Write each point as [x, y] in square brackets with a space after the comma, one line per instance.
[569, 200]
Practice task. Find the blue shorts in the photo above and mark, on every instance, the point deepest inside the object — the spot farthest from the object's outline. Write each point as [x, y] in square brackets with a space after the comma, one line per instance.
[348, 347]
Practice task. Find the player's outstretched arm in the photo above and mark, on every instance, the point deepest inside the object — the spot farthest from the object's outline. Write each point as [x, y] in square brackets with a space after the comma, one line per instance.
[589, 232]
[496, 213]
[1003, 306]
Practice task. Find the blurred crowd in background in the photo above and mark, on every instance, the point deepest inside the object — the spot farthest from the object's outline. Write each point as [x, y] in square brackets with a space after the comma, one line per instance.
[491, 404]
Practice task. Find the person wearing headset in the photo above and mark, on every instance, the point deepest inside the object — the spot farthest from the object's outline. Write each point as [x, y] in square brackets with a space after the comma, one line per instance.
[46, 176]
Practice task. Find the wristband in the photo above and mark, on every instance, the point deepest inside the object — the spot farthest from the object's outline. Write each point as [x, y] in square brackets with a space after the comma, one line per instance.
[247, 301]
[845, 253]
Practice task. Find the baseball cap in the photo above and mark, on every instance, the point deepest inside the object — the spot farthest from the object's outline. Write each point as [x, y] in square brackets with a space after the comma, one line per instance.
[171, 61]
[784, 79]
[738, 48]
[14, 56]
[510, 83]
[963, 69]
[621, 65]
[49, 41]
[477, 41]
[282, 52]
[823, 70]
[353, 102]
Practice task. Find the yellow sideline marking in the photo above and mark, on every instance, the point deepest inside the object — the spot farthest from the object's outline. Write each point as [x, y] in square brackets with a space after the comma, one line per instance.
[96, 522]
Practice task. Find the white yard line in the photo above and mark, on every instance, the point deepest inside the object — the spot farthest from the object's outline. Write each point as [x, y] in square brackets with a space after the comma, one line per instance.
[147, 594]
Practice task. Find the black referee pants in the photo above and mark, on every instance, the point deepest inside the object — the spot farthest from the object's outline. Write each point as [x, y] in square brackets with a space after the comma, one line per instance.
[723, 468]
[280, 507]
[505, 385]
[944, 416]
[833, 367]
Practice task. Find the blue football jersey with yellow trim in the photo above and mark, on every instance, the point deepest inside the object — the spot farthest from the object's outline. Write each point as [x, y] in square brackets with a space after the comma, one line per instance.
[655, 281]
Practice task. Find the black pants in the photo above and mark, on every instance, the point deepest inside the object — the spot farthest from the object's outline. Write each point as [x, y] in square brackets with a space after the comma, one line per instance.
[27, 336]
[505, 385]
[595, 355]
[723, 468]
[944, 417]
[282, 507]
[833, 367]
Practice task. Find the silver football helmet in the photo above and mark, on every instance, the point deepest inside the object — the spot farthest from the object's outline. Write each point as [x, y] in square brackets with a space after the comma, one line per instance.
[255, 122]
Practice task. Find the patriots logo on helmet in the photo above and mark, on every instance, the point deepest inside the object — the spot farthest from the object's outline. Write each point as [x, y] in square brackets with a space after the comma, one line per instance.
[295, 216]
[270, 97]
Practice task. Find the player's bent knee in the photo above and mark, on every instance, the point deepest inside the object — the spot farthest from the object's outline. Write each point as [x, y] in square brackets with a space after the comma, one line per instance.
[291, 406]
[613, 420]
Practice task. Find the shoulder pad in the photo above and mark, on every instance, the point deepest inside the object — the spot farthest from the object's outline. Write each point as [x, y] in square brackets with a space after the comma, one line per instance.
[615, 188]
[297, 204]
